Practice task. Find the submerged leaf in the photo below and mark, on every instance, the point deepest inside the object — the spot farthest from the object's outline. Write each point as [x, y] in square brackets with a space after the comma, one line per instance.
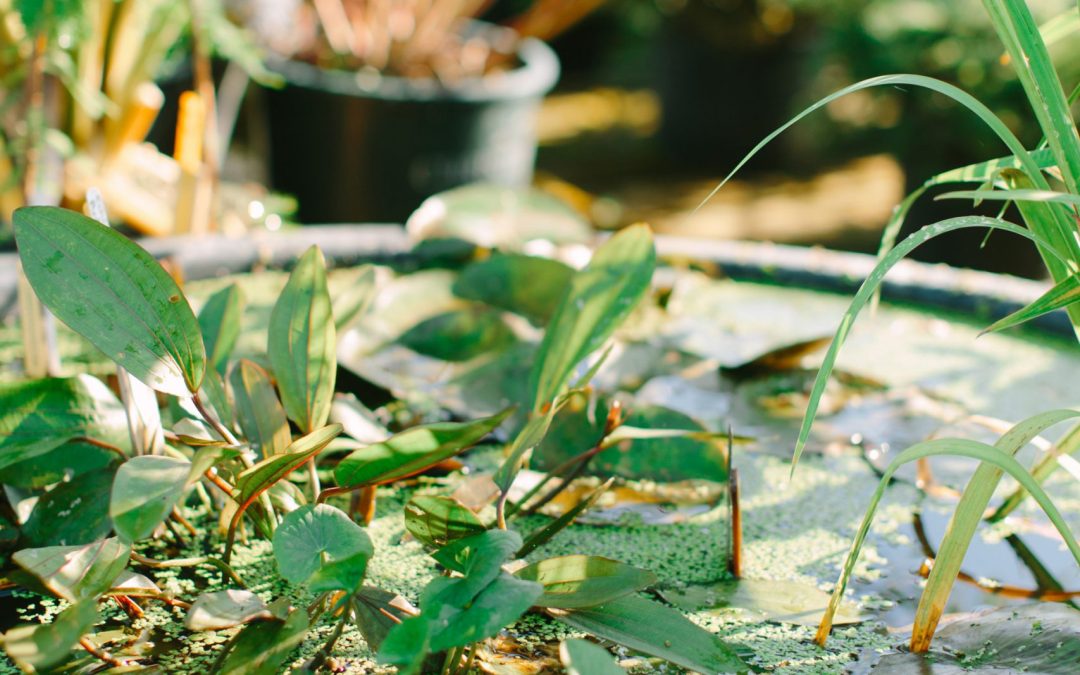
[581, 657]
[524, 284]
[459, 335]
[777, 601]
[113, 293]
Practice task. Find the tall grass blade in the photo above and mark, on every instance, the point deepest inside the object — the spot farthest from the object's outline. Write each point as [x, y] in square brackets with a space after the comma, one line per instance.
[870, 286]
[965, 519]
[943, 446]
[1069, 444]
[1061, 295]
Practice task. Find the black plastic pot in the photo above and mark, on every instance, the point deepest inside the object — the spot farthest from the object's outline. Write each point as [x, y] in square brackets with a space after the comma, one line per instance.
[368, 148]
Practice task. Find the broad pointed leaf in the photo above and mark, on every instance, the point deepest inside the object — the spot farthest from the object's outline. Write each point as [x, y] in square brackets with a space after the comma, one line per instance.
[144, 492]
[218, 610]
[377, 612]
[600, 298]
[254, 481]
[657, 630]
[219, 321]
[302, 343]
[72, 513]
[527, 285]
[575, 581]
[261, 417]
[76, 572]
[412, 451]
[113, 293]
[581, 657]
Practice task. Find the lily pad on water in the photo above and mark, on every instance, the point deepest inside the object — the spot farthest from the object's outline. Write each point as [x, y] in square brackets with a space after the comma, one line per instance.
[762, 600]
[1039, 639]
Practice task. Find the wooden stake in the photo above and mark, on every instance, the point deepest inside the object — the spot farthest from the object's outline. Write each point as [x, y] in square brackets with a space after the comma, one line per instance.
[192, 197]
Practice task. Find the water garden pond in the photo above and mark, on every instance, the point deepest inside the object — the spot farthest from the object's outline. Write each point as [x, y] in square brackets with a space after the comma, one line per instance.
[700, 351]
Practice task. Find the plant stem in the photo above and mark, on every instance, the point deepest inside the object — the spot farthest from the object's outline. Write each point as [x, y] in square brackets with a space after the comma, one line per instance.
[102, 655]
[212, 420]
[452, 661]
[190, 562]
[86, 440]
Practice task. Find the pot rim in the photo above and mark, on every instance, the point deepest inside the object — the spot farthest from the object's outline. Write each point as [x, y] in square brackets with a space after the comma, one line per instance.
[983, 296]
[537, 74]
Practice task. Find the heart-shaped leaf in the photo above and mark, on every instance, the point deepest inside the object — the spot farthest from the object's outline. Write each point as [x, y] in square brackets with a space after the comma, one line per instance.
[261, 417]
[219, 322]
[76, 572]
[113, 293]
[600, 298]
[37, 648]
[575, 581]
[303, 341]
[527, 285]
[144, 492]
[436, 521]
[218, 610]
[412, 451]
[312, 536]
[657, 630]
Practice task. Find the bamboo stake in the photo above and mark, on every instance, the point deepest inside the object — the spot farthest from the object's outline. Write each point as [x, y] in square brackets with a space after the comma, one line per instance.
[190, 129]
[135, 119]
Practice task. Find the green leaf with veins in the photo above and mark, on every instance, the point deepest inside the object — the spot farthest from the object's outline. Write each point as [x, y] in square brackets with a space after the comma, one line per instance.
[76, 572]
[311, 537]
[303, 342]
[435, 521]
[113, 293]
[219, 322]
[144, 492]
[575, 581]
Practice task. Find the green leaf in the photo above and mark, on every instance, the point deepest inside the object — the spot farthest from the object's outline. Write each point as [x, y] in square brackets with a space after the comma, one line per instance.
[113, 293]
[479, 557]
[65, 462]
[581, 657]
[38, 416]
[412, 451]
[406, 645]
[218, 610]
[575, 581]
[773, 600]
[144, 492]
[219, 322]
[942, 446]
[499, 604]
[377, 612]
[207, 457]
[356, 298]
[311, 536]
[530, 436]
[965, 519]
[256, 480]
[76, 572]
[645, 626]
[302, 343]
[261, 417]
[599, 299]
[526, 285]
[37, 648]
[657, 443]
[870, 285]
[72, 513]
[459, 335]
[261, 648]
[1063, 294]
[436, 521]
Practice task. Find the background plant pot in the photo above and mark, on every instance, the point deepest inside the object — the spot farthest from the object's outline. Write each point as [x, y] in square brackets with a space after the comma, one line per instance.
[358, 147]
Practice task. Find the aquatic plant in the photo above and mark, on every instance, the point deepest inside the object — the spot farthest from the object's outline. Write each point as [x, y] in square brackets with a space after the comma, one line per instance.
[1044, 185]
[234, 431]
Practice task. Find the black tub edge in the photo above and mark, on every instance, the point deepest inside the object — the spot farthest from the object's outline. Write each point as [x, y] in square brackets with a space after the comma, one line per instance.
[979, 294]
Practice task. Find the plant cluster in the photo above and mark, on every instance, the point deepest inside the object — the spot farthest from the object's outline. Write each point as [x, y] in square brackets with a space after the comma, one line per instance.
[1044, 186]
[110, 478]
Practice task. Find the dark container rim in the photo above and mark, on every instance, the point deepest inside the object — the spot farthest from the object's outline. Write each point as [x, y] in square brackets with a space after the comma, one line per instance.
[535, 76]
[984, 296]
